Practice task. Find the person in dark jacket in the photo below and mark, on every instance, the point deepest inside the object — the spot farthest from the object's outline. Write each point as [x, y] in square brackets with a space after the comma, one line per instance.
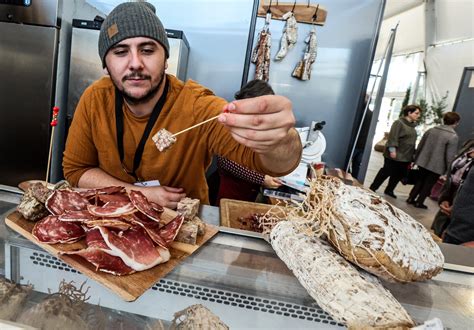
[457, 174]
[435, 152]
[399, 150]
[237, 181]
[461, 227]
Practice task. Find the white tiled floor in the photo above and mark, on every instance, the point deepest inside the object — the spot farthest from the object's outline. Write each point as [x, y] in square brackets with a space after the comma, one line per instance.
[424, 216]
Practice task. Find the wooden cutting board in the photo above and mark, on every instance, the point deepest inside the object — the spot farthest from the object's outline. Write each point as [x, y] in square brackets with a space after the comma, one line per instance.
[234, 213]
[128, 287]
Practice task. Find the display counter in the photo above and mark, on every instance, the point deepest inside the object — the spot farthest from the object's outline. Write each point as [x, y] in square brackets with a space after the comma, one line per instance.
[238, 278]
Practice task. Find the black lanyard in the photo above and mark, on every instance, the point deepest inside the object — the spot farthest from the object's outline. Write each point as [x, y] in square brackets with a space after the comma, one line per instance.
[151, 122]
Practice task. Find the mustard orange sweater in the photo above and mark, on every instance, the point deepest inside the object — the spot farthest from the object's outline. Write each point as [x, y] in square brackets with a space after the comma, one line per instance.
[92, 138]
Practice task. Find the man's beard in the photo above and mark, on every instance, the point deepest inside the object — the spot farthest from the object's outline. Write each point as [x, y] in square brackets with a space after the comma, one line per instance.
[145, 98]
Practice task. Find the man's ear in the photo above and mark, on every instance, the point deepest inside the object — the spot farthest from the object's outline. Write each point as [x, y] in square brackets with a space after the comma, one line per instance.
[166, 64]
[106, 72]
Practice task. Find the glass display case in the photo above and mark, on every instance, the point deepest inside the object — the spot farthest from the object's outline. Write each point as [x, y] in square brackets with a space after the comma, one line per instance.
[238, 278]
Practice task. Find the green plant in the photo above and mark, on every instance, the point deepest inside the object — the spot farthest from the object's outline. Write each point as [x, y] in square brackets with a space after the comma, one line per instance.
[405, 101]
[437, 109]
[432, 114]
[425, 109]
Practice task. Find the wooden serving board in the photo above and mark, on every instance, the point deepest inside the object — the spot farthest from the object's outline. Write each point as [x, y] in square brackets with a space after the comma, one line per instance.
[128, 287]
[232, 212]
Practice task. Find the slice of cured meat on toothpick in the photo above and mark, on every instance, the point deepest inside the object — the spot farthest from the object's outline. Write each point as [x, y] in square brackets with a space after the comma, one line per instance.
[165, 139]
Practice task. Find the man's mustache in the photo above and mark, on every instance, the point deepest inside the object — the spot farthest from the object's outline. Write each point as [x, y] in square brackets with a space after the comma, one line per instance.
[136, 75]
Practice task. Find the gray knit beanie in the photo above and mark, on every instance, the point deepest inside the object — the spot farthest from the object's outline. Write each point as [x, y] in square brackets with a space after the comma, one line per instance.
[128, 20]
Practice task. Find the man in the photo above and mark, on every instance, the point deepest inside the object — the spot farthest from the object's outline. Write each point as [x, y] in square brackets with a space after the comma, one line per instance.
[461, 227]
[110, 143]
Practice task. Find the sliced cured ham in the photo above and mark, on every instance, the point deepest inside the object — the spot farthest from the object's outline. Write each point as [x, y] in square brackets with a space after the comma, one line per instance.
[135, 248]
[76, 216]
[61, 201]
[151, 227]
[112, 209]
[113, 198]
[169, 231]
[102, 191]
[116, 223]
[157, 207]
[143, 205]
[98, 254]
[104, 261]
[51, 230]
[94, 239]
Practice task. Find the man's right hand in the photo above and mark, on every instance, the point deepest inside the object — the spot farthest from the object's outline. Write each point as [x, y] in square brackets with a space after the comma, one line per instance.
[163, 195]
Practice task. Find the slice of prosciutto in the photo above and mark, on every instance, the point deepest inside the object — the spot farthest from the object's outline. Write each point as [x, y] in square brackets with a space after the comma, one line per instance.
[112, 209]
[61, 201]
[151, 227]
[102, 191]
[113, 198]
[51, 230]
[76, 216]
[169, 231]
[104, 261]
[143, 205]
[135, 248]
[98, 254]
[116, 223]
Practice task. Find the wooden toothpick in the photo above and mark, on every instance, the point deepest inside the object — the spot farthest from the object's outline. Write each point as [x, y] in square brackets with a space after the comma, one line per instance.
[194, 126]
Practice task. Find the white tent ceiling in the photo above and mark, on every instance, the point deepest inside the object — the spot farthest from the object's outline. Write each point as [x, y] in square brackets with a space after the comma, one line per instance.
[395, 7]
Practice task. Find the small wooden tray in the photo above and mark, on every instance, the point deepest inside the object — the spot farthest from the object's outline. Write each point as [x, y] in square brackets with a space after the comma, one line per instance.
[233, 210]
[128, 287]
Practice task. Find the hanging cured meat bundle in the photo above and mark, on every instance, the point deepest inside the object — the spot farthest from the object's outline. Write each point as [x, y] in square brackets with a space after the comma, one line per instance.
[302, 70]
[261, 52]
[289, 36]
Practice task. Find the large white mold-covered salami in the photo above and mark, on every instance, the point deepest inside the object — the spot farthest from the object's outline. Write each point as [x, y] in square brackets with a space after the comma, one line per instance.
[382, 238]
[349, 295]
[369, 231]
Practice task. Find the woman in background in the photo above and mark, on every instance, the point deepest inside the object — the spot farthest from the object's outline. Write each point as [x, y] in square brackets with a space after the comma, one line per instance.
[399, 150]
[435, 152]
